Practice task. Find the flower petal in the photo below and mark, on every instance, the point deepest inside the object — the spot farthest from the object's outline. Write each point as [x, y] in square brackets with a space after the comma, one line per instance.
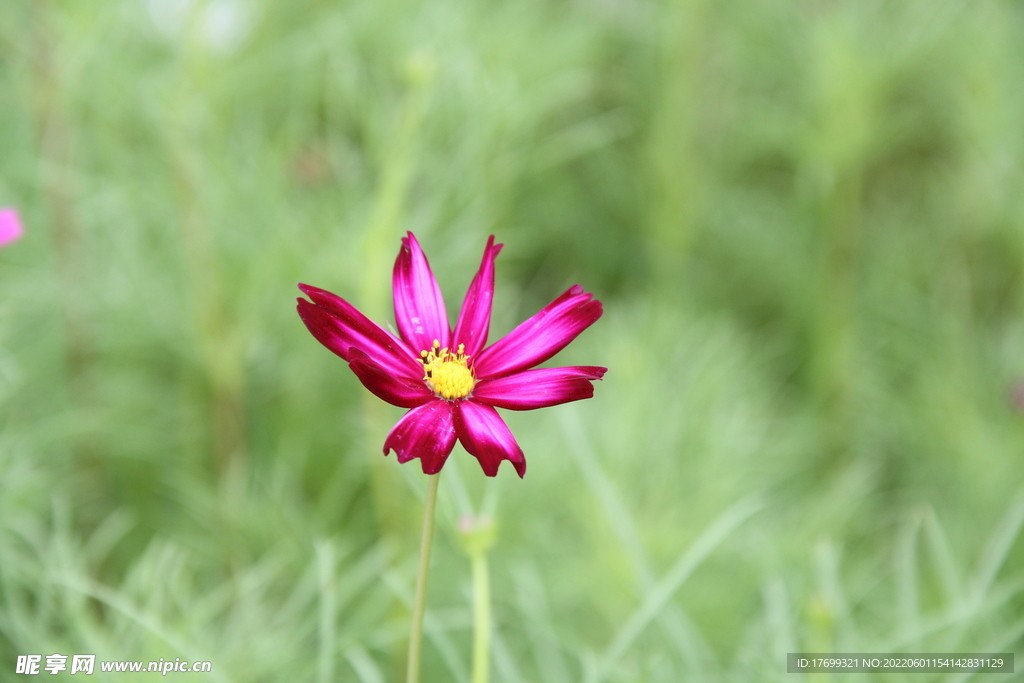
[419, 306]
[398, 391]
[10, 226]
[475, 316]
[340, 327]
[539, 388]
[486, 436]
[427, 433]
[540, 337]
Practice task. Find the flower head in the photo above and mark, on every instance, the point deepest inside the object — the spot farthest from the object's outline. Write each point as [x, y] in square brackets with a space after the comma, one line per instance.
[451, 381]
[10, 226]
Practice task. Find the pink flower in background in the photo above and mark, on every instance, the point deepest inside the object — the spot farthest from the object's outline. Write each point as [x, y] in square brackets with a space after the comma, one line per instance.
[449, 380]
[10, 226]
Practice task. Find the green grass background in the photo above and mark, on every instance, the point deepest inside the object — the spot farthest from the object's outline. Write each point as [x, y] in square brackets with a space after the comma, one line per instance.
[805, 221]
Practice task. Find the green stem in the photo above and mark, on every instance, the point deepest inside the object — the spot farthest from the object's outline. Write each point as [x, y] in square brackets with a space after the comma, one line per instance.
[481, 618]
[420, 601]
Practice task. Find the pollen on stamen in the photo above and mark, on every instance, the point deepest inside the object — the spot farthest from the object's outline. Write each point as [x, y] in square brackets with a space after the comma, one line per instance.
[447, 374]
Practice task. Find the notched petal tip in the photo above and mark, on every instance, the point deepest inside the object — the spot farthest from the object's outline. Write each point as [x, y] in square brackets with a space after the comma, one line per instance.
[426, 432]
[486, 437]
[431, 466]
[318, 323]
[319, 296]
[520, 467]
[492, 247]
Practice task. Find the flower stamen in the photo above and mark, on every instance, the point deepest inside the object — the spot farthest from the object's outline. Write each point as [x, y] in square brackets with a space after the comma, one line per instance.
[447, 374]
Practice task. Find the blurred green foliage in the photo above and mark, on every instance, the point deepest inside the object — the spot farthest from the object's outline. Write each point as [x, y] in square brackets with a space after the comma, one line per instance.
[806, 222]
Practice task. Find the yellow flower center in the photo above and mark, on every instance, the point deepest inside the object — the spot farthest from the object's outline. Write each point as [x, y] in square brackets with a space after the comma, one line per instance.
[446, 373]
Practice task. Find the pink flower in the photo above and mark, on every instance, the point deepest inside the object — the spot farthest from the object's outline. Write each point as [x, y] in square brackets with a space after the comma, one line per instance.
[449, 380]
[10, 226]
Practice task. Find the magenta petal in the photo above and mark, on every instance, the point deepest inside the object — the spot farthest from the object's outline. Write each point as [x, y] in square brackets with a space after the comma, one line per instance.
[419, 306]
[10, 226]
[540, 337]
[398, 391]
[340, 327]
[486, 436]
[427, 433]
[475, 316]
[539, 388]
